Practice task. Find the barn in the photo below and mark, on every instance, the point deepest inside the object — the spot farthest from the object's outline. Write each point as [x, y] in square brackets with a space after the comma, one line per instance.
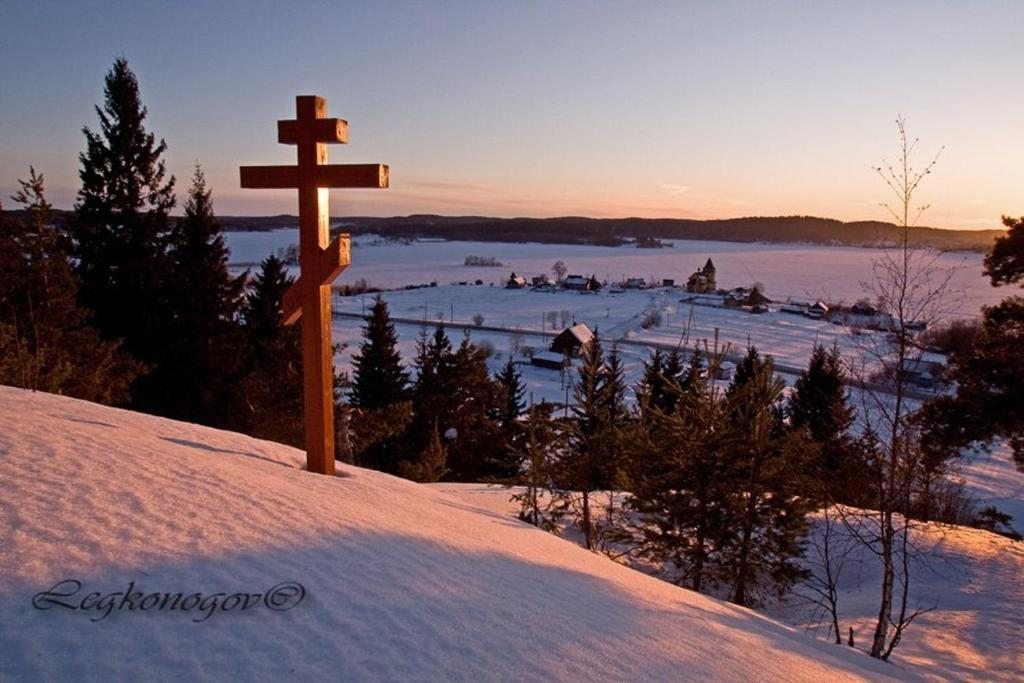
[572, 340]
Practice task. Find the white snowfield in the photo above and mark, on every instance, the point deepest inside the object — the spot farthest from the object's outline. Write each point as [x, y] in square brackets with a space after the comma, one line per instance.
[967, 580]
[401, 582]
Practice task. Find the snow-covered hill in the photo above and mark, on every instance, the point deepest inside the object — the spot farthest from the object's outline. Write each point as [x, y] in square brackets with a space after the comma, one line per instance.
[967, 581]
[401, 582]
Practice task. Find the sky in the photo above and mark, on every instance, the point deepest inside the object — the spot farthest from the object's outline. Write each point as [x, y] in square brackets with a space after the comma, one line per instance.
[518, 108]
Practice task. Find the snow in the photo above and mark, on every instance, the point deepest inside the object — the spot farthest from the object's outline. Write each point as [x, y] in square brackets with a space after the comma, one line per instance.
[802, 271]
[402, 582]
[969, 580]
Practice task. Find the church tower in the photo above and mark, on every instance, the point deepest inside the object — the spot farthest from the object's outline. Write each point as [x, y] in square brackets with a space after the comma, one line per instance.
[709, 273]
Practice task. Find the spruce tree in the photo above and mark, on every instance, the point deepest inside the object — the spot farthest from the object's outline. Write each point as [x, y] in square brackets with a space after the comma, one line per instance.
[583, 465]
[474, 453]
[679, 489]
[432, 398]
[819, 405]
[430, 465]
[46, 342]
[989, 375]
[763, 462]
[673, 380]
[506, 464]
[540, 504]
[271, 388]
[650, 388]
[196, 381]
[616, 423]
[120, 228]
[379, 379]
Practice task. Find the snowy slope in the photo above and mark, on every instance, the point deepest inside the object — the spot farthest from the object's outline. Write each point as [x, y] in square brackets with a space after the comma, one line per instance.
[401, 582]
[969, 581]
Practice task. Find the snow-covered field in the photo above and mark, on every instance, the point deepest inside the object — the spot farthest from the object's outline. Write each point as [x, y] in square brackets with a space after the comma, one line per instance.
[969, 581]
[400, 581]
[836, 274]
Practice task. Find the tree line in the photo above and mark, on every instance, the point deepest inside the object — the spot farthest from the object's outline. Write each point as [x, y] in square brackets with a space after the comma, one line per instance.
[125, 305]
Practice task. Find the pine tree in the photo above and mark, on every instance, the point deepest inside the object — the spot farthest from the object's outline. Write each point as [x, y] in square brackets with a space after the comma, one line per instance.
[195, 383]
[819, 405]
[432, 398]
[506, 416]
[539, 503]
[616, 422]
[271, 388]
[583, 467]
[989, 375]
[694, 379]
[679, 489]
[650, 388]
[430, 465]
[379, 379]
[120, 229]
[673, 380]
[46, 342]
[475, 451]
[763, 462]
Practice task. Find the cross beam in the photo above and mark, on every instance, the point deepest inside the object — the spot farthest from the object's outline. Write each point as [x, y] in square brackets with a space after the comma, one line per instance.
[320, 263]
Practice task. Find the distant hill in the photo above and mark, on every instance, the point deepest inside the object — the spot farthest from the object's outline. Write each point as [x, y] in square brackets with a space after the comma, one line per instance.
[617, 231]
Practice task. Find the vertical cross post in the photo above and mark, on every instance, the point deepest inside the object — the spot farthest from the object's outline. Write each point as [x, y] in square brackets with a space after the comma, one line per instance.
[320, 262]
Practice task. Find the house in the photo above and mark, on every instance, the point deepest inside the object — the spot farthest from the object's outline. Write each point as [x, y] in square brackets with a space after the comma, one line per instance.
[515, 282]
[796, 309]
[926, 370]
[634, 283]
[572, 340]
[757, 298]
[548, 359]
[702, 281]
[576, 282]
[715, 300]
[725, 370]
[668, 282]
[817, 310]
[541, 279]
[863, 308]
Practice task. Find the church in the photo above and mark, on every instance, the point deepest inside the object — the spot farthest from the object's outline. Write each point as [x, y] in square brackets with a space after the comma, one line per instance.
[703, 280]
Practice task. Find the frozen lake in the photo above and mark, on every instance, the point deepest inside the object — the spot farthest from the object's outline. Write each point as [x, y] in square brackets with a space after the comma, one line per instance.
[835, 274]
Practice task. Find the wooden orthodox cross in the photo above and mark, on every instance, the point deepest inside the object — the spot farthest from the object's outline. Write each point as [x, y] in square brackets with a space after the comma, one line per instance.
[320, 262]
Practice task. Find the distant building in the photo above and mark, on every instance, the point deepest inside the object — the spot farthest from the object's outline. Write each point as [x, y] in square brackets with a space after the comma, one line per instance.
[668, 282]
[925, 371]
[576, 282]
[548, 359]
[541, 279]
[725, 370]
[863, 308]
[757, 298]
[634, 283]
[573, 340]
[515, 282]
[817, 310]
[703, 280]
[715, 300]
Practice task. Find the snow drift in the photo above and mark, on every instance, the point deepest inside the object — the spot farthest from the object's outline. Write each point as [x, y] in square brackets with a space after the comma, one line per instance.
[400, 581]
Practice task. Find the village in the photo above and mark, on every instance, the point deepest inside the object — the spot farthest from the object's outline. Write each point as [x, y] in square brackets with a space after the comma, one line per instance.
[545, 321]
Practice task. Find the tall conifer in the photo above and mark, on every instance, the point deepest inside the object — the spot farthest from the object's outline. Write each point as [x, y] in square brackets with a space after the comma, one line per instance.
[120, 229]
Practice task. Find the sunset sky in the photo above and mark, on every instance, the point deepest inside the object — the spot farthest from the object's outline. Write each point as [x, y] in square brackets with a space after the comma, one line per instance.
[677, 109]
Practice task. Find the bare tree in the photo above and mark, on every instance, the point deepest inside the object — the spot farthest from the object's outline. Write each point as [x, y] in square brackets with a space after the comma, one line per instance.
[559, 270]
[910, 286]
[552, 318]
